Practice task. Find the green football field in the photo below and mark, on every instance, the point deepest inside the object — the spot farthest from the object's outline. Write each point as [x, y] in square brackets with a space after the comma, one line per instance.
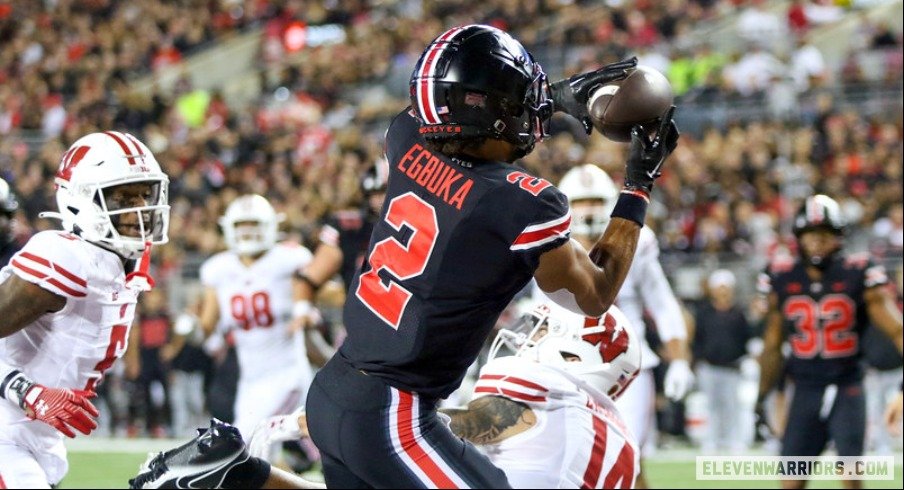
[113, 469]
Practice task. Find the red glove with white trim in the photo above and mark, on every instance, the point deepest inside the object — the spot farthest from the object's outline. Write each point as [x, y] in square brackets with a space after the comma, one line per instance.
[61, 408]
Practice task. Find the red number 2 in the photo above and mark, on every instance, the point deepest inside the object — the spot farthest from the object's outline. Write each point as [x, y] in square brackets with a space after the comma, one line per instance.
[252, 311]
[402, 261]
[822, 327]
[115, 349]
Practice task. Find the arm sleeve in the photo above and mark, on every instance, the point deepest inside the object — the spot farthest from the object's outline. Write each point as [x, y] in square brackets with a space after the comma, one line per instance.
[764, 283]
[50, 261]
[329, 232]
[545, 227]
[657, 294]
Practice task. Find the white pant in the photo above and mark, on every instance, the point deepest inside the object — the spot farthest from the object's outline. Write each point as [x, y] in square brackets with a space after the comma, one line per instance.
[637, 406]
[881, 387]
[20, 469]
[720, 385]
[32, 453]
[278, 394]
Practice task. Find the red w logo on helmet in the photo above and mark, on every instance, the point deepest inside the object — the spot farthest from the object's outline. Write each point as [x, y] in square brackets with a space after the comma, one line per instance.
[612, 341]
[70, 159]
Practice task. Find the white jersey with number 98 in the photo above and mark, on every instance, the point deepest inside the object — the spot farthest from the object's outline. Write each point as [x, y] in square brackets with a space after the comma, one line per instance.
[256, 307]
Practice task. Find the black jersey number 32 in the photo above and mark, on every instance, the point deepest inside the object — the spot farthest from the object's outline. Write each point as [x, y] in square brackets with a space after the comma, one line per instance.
[823, 327]
[402, 261]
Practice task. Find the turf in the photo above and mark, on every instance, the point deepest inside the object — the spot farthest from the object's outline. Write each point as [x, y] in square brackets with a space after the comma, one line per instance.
[113, 470]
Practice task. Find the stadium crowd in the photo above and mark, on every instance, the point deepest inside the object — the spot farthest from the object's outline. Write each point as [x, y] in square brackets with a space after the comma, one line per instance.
[66, 67]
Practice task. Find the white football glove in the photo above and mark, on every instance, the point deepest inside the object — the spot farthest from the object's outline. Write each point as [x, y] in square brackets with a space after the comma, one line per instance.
[678, 379]
[273, 430]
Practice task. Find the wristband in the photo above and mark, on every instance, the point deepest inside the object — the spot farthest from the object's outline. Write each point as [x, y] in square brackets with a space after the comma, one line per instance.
[15, 386]
[301, 308]
[632, 205]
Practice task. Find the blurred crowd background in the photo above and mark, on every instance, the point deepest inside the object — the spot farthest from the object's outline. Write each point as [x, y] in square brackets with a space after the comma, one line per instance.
[290, 99]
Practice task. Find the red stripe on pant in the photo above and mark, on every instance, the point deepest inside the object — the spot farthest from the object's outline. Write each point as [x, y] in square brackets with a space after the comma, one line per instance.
[410, 444]
[2, 484]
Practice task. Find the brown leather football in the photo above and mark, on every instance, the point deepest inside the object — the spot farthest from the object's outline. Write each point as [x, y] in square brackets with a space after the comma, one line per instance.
[640, 98]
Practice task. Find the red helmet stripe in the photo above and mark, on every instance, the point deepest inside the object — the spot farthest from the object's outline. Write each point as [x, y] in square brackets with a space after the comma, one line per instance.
[122, 144]
[425, 99]
[815, 212]
[135, 142]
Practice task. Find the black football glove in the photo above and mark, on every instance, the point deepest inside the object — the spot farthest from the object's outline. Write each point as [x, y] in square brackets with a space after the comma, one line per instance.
[570, 96]
[647, 156]
[762, 428]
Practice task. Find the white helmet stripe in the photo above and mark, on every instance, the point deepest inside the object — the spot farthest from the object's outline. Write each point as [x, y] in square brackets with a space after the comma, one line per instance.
[425, 97]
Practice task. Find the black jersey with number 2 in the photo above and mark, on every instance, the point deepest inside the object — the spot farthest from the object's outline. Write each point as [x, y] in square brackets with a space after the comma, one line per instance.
[455, 242]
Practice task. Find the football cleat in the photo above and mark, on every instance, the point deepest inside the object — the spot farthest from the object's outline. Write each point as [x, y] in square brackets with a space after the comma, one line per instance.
[202, 462]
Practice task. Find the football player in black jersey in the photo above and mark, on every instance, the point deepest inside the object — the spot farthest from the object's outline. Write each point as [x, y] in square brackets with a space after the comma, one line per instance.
[821, 304]
[344, 239]
[345, 235]
[462, 230]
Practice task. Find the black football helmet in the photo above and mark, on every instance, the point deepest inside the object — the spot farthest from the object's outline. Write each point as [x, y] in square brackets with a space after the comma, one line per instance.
[375, 178]
[476, 80]
[819, 212]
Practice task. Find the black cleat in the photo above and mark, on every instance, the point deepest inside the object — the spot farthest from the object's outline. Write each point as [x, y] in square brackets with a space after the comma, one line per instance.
[200, 463]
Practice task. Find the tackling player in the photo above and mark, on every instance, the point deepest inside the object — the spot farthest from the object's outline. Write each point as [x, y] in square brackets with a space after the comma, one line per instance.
[821, 303]
[68, 299]
[592, 195]
[545, 415]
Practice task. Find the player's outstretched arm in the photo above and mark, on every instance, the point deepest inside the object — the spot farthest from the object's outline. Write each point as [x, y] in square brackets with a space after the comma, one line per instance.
[590, 283]
[882, 311]
[21, 303]
[490, 419]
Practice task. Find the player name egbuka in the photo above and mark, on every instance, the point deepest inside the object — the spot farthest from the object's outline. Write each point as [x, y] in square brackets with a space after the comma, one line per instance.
[434, 175]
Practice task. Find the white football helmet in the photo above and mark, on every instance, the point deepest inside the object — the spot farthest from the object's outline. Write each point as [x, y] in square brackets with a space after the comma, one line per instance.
[250, 225]
[589, 183]
[601, 353]
[89, 171]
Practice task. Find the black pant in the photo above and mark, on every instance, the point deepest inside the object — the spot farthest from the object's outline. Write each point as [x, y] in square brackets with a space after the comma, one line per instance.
[820, 413]
[372, 435]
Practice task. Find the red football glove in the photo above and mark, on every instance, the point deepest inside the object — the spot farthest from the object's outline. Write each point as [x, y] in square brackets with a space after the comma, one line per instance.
[61, 408]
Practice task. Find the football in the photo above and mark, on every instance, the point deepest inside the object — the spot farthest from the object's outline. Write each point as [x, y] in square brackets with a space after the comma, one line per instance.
[640, 98]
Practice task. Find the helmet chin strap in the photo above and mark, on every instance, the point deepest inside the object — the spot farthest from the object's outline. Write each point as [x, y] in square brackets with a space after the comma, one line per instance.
[140, 279]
